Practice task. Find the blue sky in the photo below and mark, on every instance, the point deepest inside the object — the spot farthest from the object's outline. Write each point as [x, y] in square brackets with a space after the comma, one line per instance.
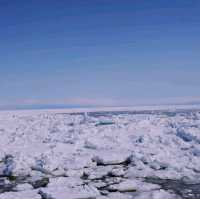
[98, 52]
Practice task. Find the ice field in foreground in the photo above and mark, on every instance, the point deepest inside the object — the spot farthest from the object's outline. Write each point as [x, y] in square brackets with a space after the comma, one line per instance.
[118, 154]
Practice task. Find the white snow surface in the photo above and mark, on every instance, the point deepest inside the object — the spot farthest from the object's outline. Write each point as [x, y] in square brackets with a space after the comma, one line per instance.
[67, 145]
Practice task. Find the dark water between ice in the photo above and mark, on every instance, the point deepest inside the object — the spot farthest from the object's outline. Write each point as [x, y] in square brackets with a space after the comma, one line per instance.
[179, 187]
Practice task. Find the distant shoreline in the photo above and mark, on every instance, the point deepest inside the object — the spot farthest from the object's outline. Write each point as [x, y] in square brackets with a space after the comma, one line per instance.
[103, 109]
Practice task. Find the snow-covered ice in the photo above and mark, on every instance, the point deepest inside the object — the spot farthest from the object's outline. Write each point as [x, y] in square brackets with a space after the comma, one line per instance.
[101, 154]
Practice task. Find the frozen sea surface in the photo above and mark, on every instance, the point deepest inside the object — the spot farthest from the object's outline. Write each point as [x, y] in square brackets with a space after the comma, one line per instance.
[143, 154]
